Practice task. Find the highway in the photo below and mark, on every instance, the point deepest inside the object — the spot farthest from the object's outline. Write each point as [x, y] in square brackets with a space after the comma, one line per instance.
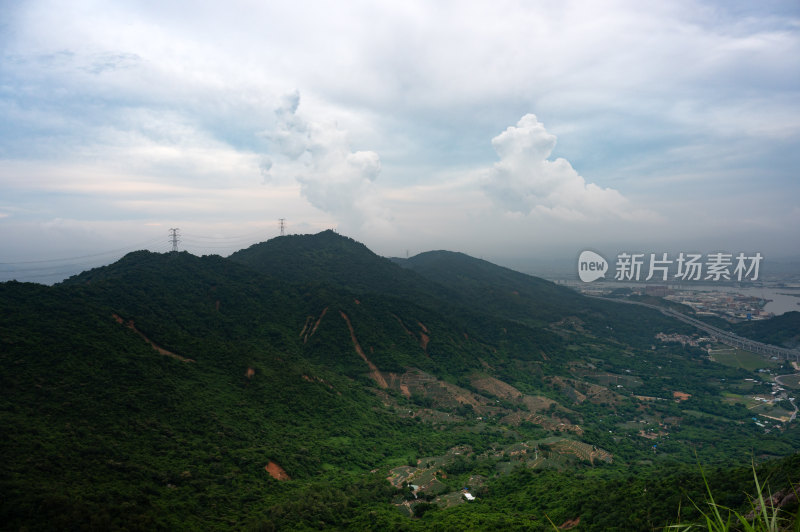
[719, 335]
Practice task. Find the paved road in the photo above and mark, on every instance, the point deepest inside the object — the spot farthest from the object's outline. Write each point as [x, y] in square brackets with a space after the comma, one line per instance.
[718, 334]
[778, 380]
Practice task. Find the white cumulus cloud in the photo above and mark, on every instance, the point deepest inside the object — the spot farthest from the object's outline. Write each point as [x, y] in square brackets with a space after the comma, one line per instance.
[525, 181]
[333, 177]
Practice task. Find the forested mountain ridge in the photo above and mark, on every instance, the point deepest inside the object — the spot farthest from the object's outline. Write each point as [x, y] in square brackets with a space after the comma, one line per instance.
[783, 330]
[330, 258]
[282, 387]
[499, 291]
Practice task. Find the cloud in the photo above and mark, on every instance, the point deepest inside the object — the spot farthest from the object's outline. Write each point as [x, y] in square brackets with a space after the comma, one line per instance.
[123, 109]
[291, 135]
[264, 166]
[332, 177]
[524, 180]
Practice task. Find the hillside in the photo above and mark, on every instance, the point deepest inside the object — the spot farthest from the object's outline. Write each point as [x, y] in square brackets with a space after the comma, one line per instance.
[783, 330]
[333, 259]
[168, 391]
[499, 291]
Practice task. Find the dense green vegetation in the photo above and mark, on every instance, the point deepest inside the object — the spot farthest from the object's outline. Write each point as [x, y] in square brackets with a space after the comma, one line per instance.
[783, 330]
[166, 391]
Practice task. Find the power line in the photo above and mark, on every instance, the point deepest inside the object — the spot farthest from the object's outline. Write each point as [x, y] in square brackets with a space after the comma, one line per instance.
[134, 246]
[58, 267]
[174, 237]
[189, 239]
[249, 236]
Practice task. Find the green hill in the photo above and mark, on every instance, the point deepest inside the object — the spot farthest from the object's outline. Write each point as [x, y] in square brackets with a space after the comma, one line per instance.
[169, 391]
[333, 259]
[783, 330]
[499, 291]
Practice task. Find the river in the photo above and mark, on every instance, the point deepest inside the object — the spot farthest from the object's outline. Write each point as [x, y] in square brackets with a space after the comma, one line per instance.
[781, 300]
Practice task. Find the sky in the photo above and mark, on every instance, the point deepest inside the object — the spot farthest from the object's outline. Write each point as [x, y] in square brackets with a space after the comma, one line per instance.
[506, 130]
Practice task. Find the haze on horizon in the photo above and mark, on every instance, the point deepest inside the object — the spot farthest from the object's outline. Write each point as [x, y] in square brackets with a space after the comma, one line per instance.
[503, 131]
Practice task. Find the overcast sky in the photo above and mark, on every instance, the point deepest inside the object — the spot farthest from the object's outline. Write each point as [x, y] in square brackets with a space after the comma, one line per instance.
[501, 129]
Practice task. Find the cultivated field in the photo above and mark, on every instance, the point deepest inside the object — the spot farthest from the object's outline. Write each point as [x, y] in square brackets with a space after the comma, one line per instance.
[741, 359]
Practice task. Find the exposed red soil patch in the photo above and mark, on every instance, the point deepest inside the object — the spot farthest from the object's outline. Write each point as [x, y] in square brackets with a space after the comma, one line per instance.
[306, 333]
[403, 325]
[495, 387]
[357, 301]
[548, 423]
[462, 396]
[309, 319]
[322, 381]
[276, 471]
[249, 373]
[316, 325]
[408, 332]
[424, 335]
[538, 403]
[652, 435]
[374, 372]
[568, 389]
[582, 450]
[130, 325]
[399, 382]
[580, 391]
[423, 340]
[319, 320]
[443, 394]
[570, 523]
[681, 396]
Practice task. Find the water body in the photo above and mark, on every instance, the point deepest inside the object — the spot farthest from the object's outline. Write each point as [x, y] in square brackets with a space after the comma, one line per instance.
[781, 300]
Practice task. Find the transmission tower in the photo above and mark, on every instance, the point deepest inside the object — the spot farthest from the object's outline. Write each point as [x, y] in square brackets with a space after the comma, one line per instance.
[283, 225]
[173, 237]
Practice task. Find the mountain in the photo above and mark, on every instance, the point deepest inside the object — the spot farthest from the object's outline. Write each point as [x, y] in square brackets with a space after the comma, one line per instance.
[306, 382]
[535, 302]
[783, 330]
[516, 295]
[328, 257]
[471, 291]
